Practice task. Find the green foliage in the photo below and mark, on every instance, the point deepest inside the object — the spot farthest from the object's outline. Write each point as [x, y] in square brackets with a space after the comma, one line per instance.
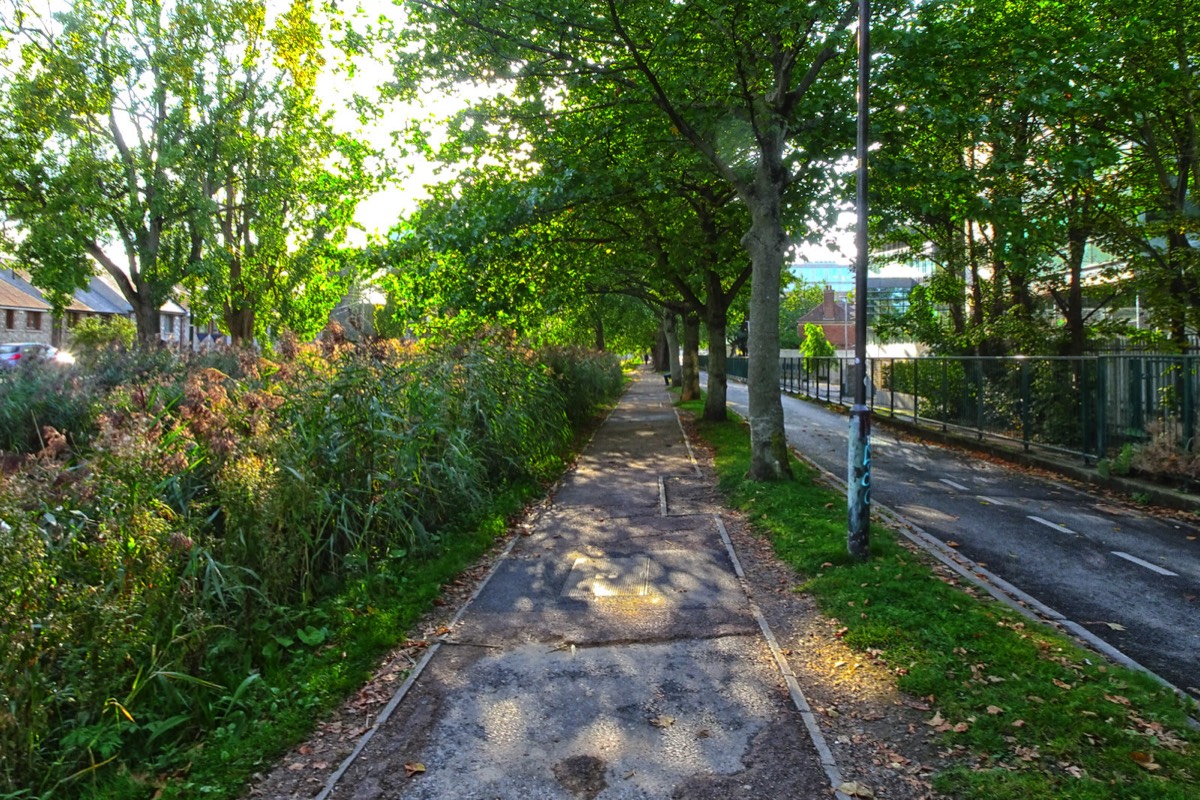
[1122, 464]
[93, 335]
[224, 528]
[815, 346]
[41, 396]
[584, 377]
[797, 301]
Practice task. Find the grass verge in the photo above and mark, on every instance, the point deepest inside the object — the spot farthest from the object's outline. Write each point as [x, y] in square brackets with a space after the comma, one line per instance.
[1028, 713]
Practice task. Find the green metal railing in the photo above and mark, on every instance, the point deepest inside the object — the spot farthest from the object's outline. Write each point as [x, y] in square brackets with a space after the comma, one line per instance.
[1089, 406]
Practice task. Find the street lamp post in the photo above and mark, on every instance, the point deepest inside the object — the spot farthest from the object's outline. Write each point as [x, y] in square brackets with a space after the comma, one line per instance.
[858, 478]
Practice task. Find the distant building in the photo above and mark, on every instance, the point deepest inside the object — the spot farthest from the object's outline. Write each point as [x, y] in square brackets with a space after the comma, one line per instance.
[835, 317]
[33, 321]
[24, 317]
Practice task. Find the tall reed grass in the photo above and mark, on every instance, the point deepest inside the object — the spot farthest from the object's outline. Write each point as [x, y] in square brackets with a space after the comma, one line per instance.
[155, 571]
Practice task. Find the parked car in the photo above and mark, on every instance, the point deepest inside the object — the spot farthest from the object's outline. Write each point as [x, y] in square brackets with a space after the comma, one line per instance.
[15, 354]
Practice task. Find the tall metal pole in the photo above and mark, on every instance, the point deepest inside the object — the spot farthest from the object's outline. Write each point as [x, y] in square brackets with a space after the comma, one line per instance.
[858, 480]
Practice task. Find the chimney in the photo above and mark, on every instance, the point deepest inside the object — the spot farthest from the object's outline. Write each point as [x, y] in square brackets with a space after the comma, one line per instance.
[829, 307]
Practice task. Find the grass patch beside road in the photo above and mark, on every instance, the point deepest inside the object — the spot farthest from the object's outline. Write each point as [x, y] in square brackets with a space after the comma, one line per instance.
[1031, 714]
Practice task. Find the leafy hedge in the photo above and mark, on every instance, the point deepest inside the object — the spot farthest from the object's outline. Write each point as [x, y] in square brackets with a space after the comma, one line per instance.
[153, 577]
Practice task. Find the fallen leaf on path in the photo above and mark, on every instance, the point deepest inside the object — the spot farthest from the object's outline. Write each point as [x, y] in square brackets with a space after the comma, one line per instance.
[856, 789]
[413, 768]
[662, 721]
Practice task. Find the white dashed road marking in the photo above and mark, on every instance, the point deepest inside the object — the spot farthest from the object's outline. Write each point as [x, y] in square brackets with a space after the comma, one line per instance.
[1050, 524]
[954, 485]
[1146, 564]
[991, 500]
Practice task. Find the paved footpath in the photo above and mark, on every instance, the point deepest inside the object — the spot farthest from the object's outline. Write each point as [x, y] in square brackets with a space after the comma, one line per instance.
[611, 654]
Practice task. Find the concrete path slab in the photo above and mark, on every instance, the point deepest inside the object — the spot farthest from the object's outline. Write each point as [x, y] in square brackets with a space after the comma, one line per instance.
[687, 719]
[613, 653]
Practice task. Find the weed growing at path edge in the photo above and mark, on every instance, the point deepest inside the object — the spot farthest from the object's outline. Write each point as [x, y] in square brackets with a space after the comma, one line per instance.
[1028, 714]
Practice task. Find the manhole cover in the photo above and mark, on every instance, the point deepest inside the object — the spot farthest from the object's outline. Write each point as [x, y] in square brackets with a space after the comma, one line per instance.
[609, 577]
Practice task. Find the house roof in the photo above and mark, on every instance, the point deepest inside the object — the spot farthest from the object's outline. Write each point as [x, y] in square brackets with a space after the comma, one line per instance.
[13, 297]
[103, 298]
[20, 279]
[15, 294]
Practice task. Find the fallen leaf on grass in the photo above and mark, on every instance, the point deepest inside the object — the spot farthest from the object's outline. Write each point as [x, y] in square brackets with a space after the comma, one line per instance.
[1020, 723]
[994, 710]
[1118, 699]
[413, 768]
[1145, 760]
[1061, 684]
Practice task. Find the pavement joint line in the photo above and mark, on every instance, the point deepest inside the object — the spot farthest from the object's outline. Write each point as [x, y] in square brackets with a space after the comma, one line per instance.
[420, 666]
[1143, 563]
[828, 762]
[1017, 599]
[954, 485]
[662, 496]
[1050, 524]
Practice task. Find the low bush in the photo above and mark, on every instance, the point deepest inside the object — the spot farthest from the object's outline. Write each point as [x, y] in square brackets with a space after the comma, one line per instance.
[165, 583]
[38, 396]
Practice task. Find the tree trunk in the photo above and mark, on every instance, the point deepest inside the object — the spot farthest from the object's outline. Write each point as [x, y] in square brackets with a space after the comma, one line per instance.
[600, 343]
[767, 244]
[240, 322]
[670, 323]
[146, 317]
[691, 356]
[714, 401]
[659, 359]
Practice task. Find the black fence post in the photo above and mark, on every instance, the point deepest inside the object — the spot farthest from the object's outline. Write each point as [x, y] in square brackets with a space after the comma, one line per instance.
[1025, 402]
[1101, 407]
[945, 394]
[1189, 402]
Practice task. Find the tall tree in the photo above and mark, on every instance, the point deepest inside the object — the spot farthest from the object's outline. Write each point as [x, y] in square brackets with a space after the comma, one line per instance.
[280, 185]
[94, 118]
[745, 85]
[1155, 85]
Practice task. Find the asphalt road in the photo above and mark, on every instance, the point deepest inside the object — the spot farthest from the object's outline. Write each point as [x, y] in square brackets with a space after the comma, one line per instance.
[1130, 578]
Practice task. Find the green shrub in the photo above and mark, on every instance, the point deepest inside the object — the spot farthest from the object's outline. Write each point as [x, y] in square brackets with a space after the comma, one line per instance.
[585, 378]
[43, 395]
[92, 336]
